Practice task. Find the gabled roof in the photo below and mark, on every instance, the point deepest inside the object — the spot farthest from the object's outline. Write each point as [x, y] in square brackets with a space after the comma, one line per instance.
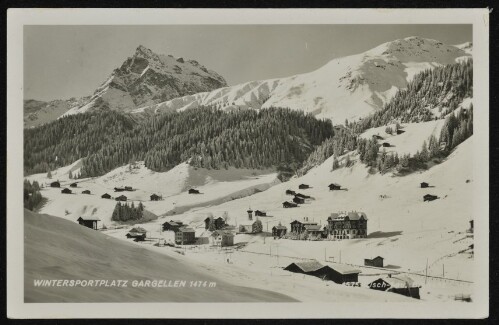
[308, 266]
[304, 222]
[280, 227]
[399, 281]
[350, 215]
[89, 218]
[185, 229]
[344, 269]
[312, 227]
[139, 230]
[171, 223]
[335, 184]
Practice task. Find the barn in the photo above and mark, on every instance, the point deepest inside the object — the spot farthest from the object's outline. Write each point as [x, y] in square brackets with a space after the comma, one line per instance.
[89, 222]
[55, 184]
[279, 231]
[338, 273]
[119, 189]
[377, 261]
[424, 185]
[289, 205]
[121, 198]
[86, 192]
[106, 196]
[66, 191]
[399, 284]
[299, 226]
[429, 197]
[303, 196]
[386, 145]
[128, 188]
[137, 233]
[259, 213]
[303, 186]
[290, 192]
[193, 191]
[155, 197]
[73, 185]
[298, 200]
[334, 187]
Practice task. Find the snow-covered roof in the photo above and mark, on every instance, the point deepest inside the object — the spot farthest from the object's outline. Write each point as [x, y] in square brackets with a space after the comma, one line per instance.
[399, 281]
[315, 227]
[185, 229]
[308, 266]
[280, 227]
[344, 269]
[89, 218]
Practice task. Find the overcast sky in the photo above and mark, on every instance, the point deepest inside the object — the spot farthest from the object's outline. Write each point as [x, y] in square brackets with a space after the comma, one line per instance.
[71, 61]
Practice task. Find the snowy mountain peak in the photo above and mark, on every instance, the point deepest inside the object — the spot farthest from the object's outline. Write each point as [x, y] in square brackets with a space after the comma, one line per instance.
[147, 78]
[345, 88]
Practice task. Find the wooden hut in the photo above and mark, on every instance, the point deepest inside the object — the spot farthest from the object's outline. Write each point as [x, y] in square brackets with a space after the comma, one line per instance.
[279, 231]
[73, 185]
[155, 197]
[89, 222]
[337, 273]
[193, 191]
[290, 192]
[55, 184]
[121, 198]
[334, 187]
[289, 205]
[303, 186]
[86, 192]
[66, 191]
[429, 197]
[106, 196]
[377, 261]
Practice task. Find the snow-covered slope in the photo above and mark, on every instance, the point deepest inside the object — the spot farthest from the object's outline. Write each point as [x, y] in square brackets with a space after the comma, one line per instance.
[147, 78]
[38, 112]
[345, 88]
[216, 186]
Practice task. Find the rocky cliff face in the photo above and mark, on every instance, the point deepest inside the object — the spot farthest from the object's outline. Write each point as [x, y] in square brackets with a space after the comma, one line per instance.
[147, 78]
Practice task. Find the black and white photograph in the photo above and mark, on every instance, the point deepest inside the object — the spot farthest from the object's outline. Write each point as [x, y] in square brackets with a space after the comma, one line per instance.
[323, 161]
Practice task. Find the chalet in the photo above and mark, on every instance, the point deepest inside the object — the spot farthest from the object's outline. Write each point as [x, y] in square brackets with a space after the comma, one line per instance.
[66, 191]
[89, 222]
[193, 191]
[119, 189]
[55, 184]
[185, 236]
[424, 185]
[385, 145]
[128, 188]
[303, 196]
[313, 230]
[377, 261]
[298, 200]
[106, 196]
[73, 185]
[290, 192]
[259, 213]
[218, 223]
[121, 198]
[172, 225]
[298, 227]
[137, 233]
[303, 186]
[347, 225]
[86, 192]
[337, 273]
[222, 238]
[155, 197]
[279, 231]
[289, 205]
[334, 187]
[429, 197]
[399, 284]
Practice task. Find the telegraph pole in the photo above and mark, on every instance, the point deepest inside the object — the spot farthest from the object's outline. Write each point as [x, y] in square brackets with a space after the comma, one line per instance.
[426, 272]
